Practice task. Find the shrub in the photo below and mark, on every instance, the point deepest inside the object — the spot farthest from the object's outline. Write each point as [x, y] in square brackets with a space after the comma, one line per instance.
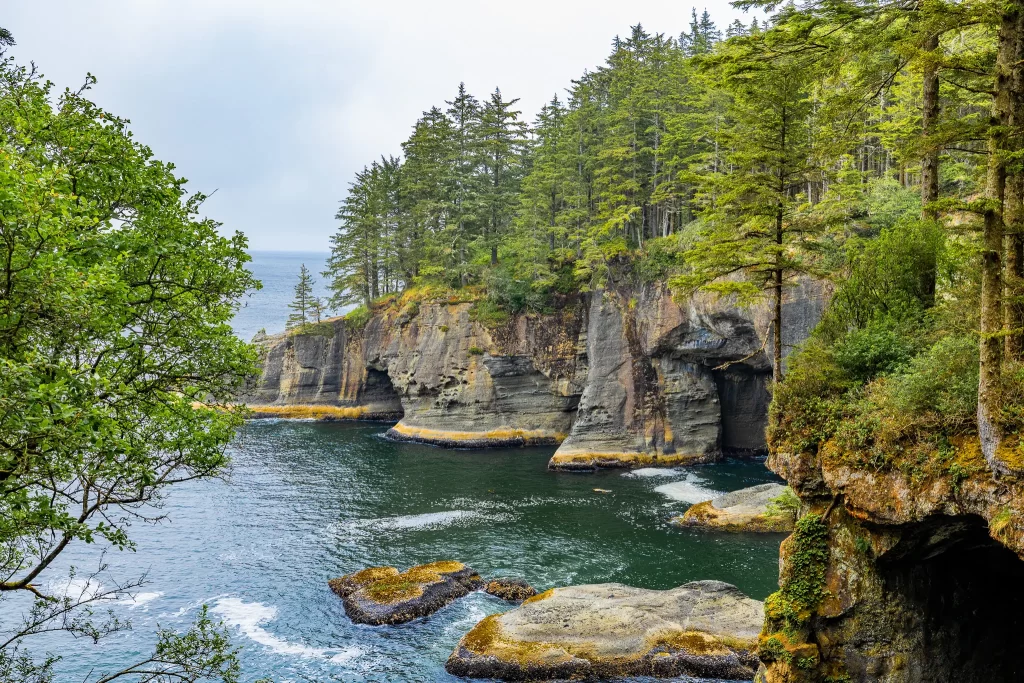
[476, 351]
[488, 313]
[357, 318]
[882, 347]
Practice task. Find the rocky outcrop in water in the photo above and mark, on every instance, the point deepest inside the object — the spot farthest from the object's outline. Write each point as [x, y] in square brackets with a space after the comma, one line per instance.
[904, 571]
[383, 595]
[510, 590]
[758, 509]
[623, 377]
[704, 628]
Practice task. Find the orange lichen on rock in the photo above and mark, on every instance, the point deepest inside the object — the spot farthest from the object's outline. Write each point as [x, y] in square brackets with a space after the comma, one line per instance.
[310, 412]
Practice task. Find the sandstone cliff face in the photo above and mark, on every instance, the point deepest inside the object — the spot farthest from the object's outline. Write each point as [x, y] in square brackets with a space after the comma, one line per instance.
[914, 572]
[622, 377]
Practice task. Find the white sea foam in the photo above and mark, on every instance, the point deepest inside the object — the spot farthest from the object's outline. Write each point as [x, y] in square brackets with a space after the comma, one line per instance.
[79, 589]
[427, 520]
[249, 618]
[140, 599]
[646, 472]
[688, 490]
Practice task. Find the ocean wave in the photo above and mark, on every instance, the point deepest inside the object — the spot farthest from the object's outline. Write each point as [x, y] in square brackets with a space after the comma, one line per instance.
[139, 599]
[249, 617]
[426, 520]
[647, 472]
[688, 490]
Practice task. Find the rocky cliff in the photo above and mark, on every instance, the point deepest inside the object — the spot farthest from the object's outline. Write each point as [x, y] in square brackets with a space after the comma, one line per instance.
[620, 377]
[901, 572]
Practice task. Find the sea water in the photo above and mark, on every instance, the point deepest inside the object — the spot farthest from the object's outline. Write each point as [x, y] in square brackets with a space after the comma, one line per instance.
[305, 502]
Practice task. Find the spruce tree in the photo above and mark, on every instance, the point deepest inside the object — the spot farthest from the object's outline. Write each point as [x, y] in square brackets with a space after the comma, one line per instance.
[305, 303]
[502, 142]
[755, 236]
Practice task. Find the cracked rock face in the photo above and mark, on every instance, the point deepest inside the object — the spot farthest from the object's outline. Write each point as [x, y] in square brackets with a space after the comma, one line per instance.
[921, 566]
[623, 377]
[703, 628]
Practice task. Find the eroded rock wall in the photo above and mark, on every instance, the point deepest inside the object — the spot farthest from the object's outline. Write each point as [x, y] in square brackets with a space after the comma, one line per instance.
[621, 377]
[918, 574]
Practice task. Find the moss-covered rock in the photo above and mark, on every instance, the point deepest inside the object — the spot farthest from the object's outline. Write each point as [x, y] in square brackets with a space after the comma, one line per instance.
[383, 595]
[704, 628]
[512, 590]
[761, 509]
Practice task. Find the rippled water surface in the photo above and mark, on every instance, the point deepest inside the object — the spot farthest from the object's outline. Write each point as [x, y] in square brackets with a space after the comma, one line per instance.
[306, 502]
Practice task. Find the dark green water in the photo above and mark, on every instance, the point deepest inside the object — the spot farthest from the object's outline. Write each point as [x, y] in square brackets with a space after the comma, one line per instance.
[307, 502]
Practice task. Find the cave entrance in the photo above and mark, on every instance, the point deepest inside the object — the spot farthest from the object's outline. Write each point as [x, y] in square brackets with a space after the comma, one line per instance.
[379, 395]
[963, 597]
[743, 398]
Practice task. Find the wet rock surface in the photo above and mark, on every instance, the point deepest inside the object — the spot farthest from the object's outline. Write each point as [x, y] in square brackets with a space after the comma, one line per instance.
[704, 628]
[510, 589]
[756, 509]
[383, 595]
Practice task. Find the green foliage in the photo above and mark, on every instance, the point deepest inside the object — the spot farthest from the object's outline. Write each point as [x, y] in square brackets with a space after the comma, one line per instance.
[488, 313]
[880, 348]
[476, 351]
[116, 357]
[356, 319]
[306, 307]
[785, 504]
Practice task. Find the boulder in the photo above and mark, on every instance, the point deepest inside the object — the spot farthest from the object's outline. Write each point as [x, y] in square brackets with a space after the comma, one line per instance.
[512, 590]
[383, 595]
[762, 508]
[705, 628]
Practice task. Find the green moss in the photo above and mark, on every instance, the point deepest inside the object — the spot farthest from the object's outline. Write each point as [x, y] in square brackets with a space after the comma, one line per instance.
[788, 610]
[476, 351]
[488, 313]
[322, 329]
[357, 318]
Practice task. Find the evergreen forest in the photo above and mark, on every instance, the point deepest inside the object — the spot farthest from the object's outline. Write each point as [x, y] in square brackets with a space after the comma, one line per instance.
[871, 144]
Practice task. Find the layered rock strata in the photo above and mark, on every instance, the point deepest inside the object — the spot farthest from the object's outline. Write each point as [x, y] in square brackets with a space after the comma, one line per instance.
[383, 595]
[622, 377]
[758, 509]
[902, 572]
[704, 628]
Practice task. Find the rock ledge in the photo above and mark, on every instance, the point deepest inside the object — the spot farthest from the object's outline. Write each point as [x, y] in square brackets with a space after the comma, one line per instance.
[704, 628]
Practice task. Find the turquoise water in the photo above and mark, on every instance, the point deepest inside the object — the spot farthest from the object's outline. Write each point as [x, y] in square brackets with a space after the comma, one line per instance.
[309, 501]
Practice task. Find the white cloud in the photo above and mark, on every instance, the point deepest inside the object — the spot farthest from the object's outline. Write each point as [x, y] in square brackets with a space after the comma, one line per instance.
[277, 104]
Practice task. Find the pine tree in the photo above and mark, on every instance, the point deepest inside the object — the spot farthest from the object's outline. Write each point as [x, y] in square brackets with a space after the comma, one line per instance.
[755, 236]
[305, 303]
[501, 143]
[464, 113]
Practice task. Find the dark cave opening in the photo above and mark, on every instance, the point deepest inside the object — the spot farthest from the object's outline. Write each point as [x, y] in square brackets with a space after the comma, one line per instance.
[962, 598]
[379, 392]
[743, 398]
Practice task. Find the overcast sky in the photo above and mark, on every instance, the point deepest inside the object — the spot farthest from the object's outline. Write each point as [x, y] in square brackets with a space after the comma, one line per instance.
[276, 104]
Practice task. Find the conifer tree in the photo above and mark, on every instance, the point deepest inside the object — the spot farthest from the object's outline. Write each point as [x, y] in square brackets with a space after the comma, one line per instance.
[754, 227]
[501, 144]
[305, 304]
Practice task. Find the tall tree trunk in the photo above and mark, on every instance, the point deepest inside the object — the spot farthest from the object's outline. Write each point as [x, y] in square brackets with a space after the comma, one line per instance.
[930, 158]
[777, 301]
[991, 346]
[1013, 207]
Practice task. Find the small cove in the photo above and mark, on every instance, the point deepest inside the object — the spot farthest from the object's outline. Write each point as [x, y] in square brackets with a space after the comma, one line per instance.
[309, 501]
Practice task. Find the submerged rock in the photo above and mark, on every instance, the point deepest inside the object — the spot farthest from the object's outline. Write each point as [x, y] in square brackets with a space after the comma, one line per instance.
[704, 628]
[513, 590]
[383, 595]
[763, 508]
